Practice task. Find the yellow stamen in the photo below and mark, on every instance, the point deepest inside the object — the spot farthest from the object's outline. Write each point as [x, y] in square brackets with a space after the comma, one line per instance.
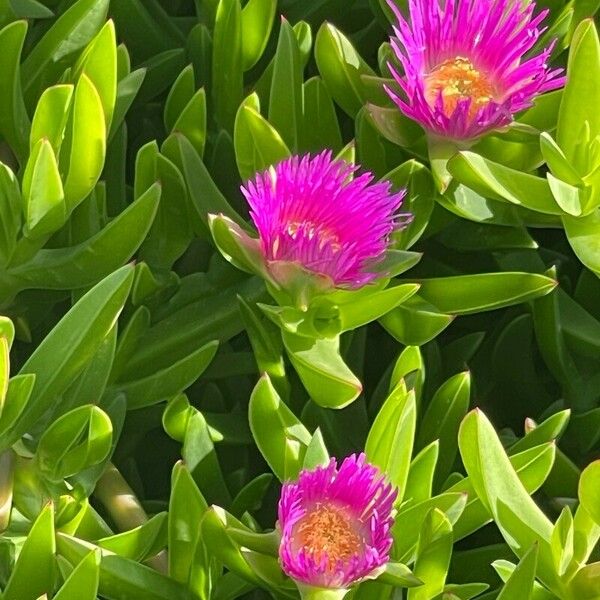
[457, 79]
[327, 531]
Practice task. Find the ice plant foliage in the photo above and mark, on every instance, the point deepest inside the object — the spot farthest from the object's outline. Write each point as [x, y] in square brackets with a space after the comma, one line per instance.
[335, 524]
[314, 212]
[465, 69]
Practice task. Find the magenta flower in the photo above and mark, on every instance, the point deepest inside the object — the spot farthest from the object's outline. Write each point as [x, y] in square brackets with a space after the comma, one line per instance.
[335, 524]
[464, 66]
[311, 212]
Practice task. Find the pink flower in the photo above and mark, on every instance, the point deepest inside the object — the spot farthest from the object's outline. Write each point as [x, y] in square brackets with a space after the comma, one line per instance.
[464, 67]
[310, 211]
[335, 524]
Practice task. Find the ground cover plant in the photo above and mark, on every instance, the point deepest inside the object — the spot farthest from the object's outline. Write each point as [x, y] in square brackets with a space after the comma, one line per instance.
[299, 299]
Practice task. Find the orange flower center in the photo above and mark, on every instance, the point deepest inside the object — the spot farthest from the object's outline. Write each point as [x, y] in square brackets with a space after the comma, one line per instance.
[326, 531]
[311, 230]
[457, 79]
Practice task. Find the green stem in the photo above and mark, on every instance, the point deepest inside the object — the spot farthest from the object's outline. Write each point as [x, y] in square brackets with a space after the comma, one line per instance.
[7, 464]
[124, 507]
[441, 150]
[313, 593]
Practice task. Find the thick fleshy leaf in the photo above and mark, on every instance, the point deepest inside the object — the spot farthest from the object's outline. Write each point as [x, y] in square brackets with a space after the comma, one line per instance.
[341, 68]
[279, 435]
[286, 96]
[84, 264]
[415, 322]
[203, 192]
[45, 207]
[186, 507]
[10, 213]
[557, 161]
[71, 344]
[532, 467]
[316, 452]
[390, 441]
[520, 583]
[74, 442]
[320, 127]
[168, 382]
[394, 125]
[433, 556]
[589, 490]
[257, 21]
[584, 586]
[127, 89]
[581, 93]
[87, 143]
[258, 145]
[121, 577]
[227, 62]
[442, 419]
[399, 575]
[562, 542]
[181, 93]
[191, 122]
[419, 484]
[501, 491]
[99, 63]
[75, 28]
[51, 116]
[33, 574]
[583, 234]
[326, 376]
[411, 517]
[466, 294]
[360, 311]
[214, 533]
[141, 542]
[498, 182]
[14, 121]
[83, 580]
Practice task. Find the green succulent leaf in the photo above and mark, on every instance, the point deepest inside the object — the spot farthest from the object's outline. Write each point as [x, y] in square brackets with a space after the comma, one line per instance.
[581, 92]
[341, 68]
[390, 441]
[465, 294]
[589, 491]
[520, 582]
[326, 376]
[257, 22]
[71, 344]
[74, 442]
[279, 435]
[74, 29]
[14, 121]
[34, 573]
[83, 580]
[258, 145]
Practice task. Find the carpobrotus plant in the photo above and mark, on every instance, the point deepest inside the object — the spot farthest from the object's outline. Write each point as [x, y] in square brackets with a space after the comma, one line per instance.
[324, 232]
[465, 63]
[335, 525]
[154, 399]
